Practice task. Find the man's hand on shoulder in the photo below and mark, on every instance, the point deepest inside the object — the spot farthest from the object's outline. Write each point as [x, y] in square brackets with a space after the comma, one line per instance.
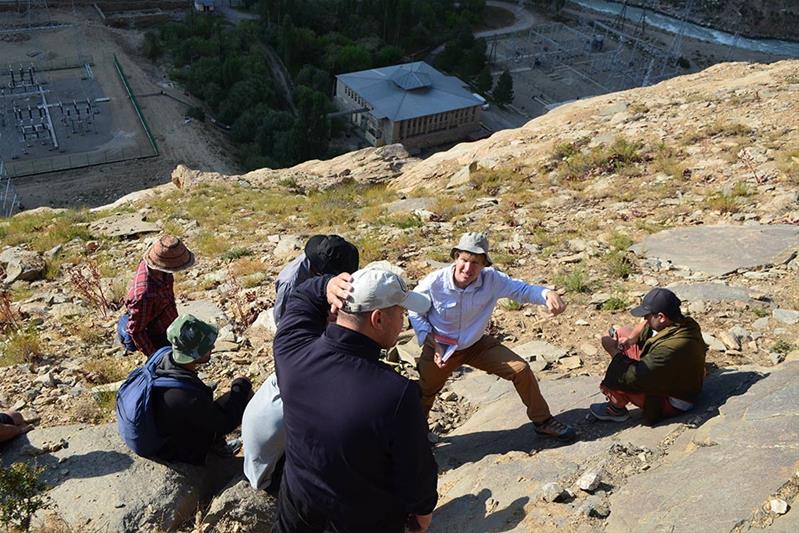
[338, 290]
[555, 303]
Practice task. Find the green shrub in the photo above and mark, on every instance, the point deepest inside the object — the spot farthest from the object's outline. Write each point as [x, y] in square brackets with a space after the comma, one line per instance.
[615, 303]
[574, 281]
[724, 202]
[761, 311]
[21, 494]
[619, 264]
[236, 253]
[509, 305]
[782, 346]
[619, 241]
[20, 347]
[405, 221]
[578, 164]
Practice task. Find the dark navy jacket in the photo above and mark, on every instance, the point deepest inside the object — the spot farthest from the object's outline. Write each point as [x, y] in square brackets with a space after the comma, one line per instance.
[357, 448]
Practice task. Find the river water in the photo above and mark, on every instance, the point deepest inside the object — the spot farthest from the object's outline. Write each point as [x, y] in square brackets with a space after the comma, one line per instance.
[694, 31]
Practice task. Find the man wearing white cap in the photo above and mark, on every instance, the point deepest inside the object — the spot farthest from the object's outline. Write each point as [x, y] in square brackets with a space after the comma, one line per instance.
[452, 332]
[357, 457]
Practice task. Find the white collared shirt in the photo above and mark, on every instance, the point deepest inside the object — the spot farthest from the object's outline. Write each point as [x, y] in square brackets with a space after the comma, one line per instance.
[463, 314]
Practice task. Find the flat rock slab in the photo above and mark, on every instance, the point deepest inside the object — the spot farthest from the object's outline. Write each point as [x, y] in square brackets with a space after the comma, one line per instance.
[409, 205]
[122, 225]
[495, 467]
[717, 476]
[711, 292]
[97, 484]
[540, 350]
[206, 311]
[719, 250]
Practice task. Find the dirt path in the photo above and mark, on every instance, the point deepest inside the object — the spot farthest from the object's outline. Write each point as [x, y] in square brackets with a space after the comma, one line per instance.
[280, 75]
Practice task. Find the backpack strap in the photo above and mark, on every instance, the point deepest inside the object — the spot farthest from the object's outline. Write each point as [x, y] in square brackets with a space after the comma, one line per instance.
[154, 359]
[167, 382]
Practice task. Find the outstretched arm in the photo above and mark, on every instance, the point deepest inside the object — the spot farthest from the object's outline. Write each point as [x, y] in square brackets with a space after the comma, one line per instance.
[523, 292]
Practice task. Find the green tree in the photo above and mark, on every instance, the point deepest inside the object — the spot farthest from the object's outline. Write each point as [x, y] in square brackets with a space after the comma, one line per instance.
[503, 91]
[388, 55]
[352, 58]
[310, 134]
[484, 81]
[152, 48]
[313, 77]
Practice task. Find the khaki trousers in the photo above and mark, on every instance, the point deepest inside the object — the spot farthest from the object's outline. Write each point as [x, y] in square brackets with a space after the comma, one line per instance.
[491, 356]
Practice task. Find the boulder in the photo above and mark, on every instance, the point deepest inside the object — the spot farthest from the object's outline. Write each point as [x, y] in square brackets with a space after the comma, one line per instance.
[264, 324]
[97, 483]
[462, 177]
[590, 480]
[248, 508]
[289, 247]
[786, 316]
[386, 265]
[206, 311]
[22, 265]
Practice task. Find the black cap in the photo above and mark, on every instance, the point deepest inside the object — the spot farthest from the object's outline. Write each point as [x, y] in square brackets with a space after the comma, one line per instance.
[331, 254]
[659, 301]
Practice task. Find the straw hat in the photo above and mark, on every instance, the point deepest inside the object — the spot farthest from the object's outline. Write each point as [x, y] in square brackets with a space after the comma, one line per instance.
[169, 254]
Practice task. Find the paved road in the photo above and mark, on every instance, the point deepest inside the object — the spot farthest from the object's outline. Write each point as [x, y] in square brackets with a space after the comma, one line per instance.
[524, 19]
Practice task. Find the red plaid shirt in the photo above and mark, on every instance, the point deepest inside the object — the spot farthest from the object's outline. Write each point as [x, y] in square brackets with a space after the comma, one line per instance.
[151, 306]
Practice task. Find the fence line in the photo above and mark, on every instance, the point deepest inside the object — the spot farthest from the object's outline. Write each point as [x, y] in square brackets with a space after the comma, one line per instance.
[57, 64]
[8, 195]
[136, 107]
[70, 161]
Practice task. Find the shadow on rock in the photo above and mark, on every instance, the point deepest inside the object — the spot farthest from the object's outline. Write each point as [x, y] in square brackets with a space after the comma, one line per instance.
[466, 513]
[456, 450]
[83, 466]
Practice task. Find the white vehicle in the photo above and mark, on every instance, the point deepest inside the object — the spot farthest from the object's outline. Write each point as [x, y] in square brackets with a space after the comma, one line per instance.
[485, 105]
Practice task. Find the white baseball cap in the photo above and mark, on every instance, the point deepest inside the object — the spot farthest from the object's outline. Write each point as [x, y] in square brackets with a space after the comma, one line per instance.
[375, 288]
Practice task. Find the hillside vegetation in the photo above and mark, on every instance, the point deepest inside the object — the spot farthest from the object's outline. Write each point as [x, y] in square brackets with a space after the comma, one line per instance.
[561, 198]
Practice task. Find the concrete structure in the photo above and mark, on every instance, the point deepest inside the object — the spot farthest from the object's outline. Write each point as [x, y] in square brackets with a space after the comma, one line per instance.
[413, 104]
[206, 6]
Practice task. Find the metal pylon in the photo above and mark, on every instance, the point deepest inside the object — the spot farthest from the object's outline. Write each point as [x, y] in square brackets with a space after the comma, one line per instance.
[676, 45]
[621, 18]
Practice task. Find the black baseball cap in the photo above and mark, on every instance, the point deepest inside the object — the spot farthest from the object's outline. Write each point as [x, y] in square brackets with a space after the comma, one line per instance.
[659, 301]
[331, 254]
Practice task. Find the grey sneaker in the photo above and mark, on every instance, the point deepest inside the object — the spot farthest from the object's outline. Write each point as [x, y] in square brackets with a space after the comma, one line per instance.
[554, 428]
[609, 412]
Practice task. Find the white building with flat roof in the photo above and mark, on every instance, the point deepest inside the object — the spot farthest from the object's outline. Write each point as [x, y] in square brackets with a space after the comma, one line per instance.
[413, 104]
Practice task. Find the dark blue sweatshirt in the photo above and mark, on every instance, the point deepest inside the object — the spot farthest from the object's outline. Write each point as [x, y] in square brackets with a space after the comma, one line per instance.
[357, 447]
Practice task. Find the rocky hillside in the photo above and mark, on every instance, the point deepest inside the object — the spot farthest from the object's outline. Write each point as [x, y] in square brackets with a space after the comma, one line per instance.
[693, 183]
[770, 19]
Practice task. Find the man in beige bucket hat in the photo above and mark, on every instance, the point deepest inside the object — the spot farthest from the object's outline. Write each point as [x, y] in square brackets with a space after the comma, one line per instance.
[150, 302]
[453, 330]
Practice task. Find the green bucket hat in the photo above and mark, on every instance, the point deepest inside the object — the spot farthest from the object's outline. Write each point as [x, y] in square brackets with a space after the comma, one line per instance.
[191, 338]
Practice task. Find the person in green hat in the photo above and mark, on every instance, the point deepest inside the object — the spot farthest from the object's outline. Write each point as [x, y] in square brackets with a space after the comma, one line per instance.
[189, 417]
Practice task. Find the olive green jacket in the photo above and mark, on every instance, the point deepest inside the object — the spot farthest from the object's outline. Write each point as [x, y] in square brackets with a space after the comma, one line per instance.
[672, 363]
